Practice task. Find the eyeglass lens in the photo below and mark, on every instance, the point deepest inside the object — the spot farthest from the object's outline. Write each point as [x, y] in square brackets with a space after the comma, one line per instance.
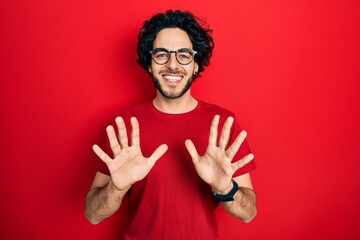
[162, 56]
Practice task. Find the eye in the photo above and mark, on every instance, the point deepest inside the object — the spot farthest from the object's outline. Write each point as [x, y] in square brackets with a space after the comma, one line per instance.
[161, 55]
[184, 53]
[184, 56]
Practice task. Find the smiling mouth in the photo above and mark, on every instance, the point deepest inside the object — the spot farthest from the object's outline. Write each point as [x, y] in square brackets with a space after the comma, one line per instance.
[172, 78]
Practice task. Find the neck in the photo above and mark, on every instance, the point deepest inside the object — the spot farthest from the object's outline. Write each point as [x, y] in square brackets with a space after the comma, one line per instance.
[183, 104]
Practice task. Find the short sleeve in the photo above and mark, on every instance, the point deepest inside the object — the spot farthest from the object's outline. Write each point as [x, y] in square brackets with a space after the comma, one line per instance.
[243, 150]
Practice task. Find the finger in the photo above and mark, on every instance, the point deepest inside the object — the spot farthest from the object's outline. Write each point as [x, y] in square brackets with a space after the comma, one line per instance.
[225, 133]
[101, 154]
[114, 143]
[122, 132]
[192, 150]
[214, 130]
[135, 132]
[158, 153]
[232, 150]
[245, 160]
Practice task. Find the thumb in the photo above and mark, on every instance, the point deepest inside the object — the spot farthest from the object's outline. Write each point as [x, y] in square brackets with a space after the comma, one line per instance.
[158, 153]
[101, 154]
[192, 150]
[245, 160]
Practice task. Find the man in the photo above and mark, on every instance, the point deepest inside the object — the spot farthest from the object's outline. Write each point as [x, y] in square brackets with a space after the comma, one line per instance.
[188, 156]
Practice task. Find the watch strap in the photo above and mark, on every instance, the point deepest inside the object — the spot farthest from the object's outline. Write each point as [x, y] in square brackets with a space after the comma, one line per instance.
[230, 195]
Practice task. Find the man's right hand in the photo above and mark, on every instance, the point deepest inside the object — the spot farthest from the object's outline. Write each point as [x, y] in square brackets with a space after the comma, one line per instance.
[128, 165]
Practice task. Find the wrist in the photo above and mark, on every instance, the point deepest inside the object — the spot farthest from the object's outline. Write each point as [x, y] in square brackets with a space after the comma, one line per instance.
[225, 191]
[115, 189]
[229, 194]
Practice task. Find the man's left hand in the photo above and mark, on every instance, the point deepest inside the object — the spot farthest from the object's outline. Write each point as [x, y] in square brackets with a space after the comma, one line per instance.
[215, 167]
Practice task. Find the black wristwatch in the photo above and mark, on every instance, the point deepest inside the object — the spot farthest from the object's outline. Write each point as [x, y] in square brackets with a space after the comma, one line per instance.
[230, 195]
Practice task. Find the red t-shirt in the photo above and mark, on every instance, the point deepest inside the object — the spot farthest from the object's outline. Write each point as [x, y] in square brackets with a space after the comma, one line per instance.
[172, 201]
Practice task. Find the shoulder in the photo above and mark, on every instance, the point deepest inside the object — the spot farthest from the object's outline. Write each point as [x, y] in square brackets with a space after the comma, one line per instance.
[215, 109]
[141, 111]
[137, 110]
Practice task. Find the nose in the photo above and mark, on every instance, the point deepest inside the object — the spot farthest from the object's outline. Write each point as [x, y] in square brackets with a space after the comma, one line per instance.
[172, 63]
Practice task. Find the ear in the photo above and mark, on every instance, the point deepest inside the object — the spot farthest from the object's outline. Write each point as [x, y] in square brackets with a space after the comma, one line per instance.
[149, 69]
[196, 69]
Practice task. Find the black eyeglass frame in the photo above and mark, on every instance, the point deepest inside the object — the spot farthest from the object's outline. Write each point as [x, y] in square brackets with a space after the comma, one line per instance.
[193, 53]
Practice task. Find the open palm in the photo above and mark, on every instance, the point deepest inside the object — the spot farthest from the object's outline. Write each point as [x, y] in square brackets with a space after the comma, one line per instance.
[215, 167]
[128, 165]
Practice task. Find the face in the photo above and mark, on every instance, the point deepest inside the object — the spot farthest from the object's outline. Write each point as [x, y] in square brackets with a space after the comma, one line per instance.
[172, 80]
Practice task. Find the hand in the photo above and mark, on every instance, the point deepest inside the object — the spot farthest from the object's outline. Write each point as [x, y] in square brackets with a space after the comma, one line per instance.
[216, 167]
[128, 165]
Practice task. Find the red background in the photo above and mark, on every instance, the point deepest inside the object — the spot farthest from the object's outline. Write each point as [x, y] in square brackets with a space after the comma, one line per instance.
[288, 69]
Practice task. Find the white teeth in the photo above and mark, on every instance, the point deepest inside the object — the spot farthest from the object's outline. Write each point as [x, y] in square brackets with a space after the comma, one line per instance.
[172, 78]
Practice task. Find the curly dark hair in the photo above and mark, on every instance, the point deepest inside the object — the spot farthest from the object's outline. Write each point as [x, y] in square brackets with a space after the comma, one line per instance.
[195, 27]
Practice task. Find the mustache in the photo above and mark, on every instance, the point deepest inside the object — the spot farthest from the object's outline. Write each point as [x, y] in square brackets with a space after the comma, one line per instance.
[169, 71]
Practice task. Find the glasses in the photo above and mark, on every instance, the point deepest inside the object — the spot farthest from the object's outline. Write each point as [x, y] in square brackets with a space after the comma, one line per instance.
[184, 56]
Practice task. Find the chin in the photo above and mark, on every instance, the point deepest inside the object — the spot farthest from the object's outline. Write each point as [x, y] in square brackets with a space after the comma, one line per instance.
[174, 95]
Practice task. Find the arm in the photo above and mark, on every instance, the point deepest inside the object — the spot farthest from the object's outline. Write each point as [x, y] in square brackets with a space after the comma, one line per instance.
[244, 204]
[103, 199]
[216, 168]
[127, 167]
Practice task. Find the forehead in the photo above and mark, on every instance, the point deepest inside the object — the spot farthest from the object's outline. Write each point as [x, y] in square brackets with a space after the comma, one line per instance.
[172, 39]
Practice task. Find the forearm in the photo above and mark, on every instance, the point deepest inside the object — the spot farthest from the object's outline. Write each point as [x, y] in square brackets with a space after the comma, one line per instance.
[244, 204]
[101, 203]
